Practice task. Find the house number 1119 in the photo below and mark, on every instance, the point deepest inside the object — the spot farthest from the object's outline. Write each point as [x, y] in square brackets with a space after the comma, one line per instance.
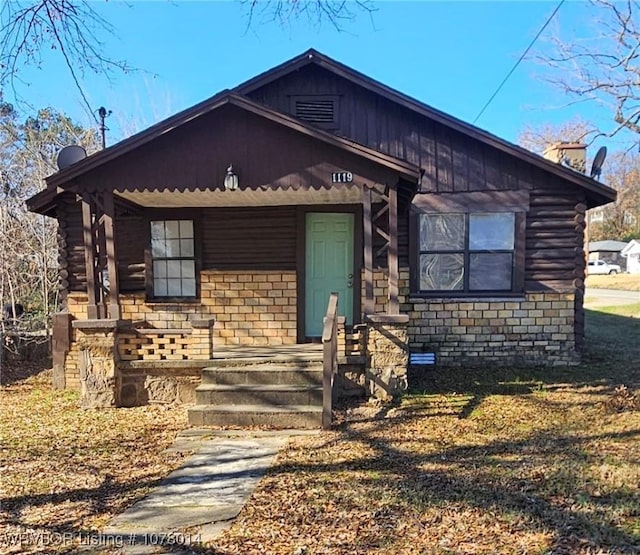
[341, 177]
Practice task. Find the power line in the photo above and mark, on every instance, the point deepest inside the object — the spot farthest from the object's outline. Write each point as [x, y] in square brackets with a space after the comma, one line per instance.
[519, 60]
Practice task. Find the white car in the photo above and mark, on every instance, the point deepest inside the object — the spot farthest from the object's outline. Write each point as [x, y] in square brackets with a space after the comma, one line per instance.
[602, 267]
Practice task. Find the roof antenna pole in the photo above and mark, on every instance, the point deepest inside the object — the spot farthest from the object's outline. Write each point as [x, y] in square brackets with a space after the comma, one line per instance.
[103, 113]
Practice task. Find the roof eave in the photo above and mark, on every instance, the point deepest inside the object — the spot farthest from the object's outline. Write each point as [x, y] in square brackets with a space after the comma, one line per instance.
[160, 128]
[44, 202]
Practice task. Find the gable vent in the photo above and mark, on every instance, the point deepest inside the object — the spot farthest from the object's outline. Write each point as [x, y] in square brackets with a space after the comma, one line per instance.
[320, 111]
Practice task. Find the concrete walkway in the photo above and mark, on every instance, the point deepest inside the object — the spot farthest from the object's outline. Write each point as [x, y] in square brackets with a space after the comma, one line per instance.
[195, 503]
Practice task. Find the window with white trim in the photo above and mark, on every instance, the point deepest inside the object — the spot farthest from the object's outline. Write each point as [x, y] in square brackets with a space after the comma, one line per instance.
[466, 252]
[173, 258]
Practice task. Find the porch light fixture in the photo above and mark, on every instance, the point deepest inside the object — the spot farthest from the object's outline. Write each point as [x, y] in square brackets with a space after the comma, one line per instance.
[231, 179]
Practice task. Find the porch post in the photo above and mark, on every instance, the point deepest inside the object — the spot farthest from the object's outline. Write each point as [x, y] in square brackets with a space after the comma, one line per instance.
[392, 255]
[368, 306]
[89, 258]
[109, 231]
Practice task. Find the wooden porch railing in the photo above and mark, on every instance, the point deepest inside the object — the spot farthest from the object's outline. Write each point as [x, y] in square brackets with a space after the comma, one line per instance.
[329, 358]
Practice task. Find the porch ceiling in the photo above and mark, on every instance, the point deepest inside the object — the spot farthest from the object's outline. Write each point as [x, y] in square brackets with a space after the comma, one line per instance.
[247, 197]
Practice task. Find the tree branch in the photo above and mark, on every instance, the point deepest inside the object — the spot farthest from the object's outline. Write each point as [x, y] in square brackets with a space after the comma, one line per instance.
[28, 28]
[336, 12]
[604, 67]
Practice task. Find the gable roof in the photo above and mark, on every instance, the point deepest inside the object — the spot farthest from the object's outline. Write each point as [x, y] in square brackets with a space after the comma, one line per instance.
[601, 193]
[45, 200]
[226, 97]
[597, 192]
[608, 246]
[632, 247]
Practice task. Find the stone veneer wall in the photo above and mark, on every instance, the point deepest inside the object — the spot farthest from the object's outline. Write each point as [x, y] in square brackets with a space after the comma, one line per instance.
[388, 356]
[537, 328]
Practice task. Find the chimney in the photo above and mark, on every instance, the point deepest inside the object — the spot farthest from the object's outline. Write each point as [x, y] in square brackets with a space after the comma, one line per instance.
[573, 155]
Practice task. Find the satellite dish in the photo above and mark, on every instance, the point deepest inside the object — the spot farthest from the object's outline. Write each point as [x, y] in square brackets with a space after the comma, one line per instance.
[596, 167]
[69, 155]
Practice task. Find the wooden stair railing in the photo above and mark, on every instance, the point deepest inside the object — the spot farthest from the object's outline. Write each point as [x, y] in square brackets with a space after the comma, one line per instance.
[329, 358]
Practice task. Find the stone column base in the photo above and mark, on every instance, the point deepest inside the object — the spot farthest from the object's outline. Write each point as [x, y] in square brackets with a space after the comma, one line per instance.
[97, 343]
[387, 354]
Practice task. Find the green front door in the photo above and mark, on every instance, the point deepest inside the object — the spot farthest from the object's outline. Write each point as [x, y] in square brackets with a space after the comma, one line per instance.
[328, 267]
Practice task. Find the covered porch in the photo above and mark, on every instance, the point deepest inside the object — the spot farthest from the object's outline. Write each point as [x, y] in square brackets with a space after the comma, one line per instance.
[182, 247]
[131, 349]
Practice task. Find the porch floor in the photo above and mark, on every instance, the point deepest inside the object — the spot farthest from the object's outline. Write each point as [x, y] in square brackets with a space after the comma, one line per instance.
[303, 351]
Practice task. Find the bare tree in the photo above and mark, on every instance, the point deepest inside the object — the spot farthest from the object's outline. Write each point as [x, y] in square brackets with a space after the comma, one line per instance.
[72, 28]
[28, 257]
[619, 220]
[76, 31]
[604, 67]
[536, 139]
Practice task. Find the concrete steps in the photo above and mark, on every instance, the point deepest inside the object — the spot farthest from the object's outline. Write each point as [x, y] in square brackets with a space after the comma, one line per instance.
[258, 393]
[280, 374]
[244, 416]
[277, 392]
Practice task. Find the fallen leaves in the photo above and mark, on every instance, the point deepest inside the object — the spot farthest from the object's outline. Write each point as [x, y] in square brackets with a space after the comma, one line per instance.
[488, 461]
[67, 470]
[623, 399]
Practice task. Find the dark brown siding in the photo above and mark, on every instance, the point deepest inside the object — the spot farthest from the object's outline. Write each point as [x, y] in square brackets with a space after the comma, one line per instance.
[132, 237]
[452, 162]
[555, 258]
[403, 239]
[554, 237]
[249, 238]
[264, 154]
[231, 239]
[73, 275]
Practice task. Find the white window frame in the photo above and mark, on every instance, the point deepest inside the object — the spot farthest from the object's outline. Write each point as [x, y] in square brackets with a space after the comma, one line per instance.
[173, 259]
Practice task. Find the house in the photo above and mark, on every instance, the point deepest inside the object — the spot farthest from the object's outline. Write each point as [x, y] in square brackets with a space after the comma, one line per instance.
[631, 252]
[609, 251]
[225, 228]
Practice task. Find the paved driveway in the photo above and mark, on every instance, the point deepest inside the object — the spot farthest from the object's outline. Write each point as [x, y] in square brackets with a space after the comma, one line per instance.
[609, 297]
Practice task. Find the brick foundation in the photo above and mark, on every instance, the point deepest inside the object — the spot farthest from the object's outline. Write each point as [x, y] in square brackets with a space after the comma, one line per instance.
[535, 329]
[259, 308]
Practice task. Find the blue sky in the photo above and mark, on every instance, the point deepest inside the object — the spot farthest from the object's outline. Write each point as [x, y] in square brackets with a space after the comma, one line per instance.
[451, 55]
